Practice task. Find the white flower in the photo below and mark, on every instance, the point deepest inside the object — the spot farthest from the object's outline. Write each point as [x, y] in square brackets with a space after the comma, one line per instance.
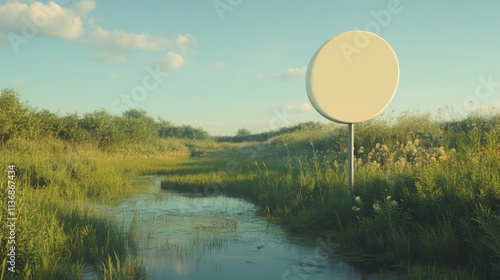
[357, 199]
[385, 149]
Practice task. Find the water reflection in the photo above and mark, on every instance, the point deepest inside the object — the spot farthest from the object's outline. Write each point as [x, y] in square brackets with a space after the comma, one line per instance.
[182, 236]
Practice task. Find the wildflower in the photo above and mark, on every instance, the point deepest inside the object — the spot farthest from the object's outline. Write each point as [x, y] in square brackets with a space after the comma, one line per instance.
[394, 203]
[388, 197]
[401, 162]
[361, 150]
[354, 208]
[385, 149]
[357, 199]
[376, 207]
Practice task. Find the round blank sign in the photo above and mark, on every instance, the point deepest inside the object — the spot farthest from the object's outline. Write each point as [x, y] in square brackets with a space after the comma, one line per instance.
[352, 77]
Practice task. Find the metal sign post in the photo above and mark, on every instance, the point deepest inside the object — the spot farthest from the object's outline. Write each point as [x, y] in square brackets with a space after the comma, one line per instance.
[350, 159]
[351, 79]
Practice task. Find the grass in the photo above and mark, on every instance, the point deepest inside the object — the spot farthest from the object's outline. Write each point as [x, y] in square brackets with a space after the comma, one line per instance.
[214, 235]
[427, 193]
[57, 237]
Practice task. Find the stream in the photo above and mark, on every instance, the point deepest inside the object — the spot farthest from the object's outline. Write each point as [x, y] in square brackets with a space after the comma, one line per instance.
[187, 236]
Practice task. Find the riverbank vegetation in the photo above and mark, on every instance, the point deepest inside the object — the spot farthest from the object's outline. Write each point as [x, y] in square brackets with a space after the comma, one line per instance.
[426, 195]
[426, 198]
[58, 165]
[56, 236]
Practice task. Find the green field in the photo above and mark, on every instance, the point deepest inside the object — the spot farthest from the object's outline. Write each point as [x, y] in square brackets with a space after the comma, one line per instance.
[426, 199]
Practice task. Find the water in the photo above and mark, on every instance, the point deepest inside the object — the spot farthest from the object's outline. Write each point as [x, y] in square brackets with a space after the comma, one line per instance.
[182, 236]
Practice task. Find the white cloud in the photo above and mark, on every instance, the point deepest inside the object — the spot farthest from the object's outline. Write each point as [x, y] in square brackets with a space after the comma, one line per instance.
[171, 61]
[91, 22]
[36, 18]
[23, 20]
[182, 42]
[115, 45]
[302, 107]
[117, 41]
[294, 73]
[84, 7]
[17, 82]
[290, 73]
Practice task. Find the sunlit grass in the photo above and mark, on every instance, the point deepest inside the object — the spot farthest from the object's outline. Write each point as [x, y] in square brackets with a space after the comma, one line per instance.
[57, 237]
[428, 193]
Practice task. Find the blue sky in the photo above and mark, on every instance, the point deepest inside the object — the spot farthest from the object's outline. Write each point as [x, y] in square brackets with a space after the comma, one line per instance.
[229, 64]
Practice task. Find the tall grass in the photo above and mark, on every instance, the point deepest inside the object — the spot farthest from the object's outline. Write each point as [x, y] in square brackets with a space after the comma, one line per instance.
[57, 237]
[427, 193]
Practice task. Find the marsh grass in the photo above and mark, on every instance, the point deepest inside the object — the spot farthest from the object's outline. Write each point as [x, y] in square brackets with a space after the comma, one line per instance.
[57, 237]
[122, 269]
[433, 271]
[427, 193]
[214, 235]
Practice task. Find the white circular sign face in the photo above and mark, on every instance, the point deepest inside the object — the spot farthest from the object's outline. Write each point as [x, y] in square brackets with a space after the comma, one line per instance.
[352, 77]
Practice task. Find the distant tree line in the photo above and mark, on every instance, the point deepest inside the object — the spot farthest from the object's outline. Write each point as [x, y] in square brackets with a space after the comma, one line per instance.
[244, 135]
[100, 127]
[136, 126]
